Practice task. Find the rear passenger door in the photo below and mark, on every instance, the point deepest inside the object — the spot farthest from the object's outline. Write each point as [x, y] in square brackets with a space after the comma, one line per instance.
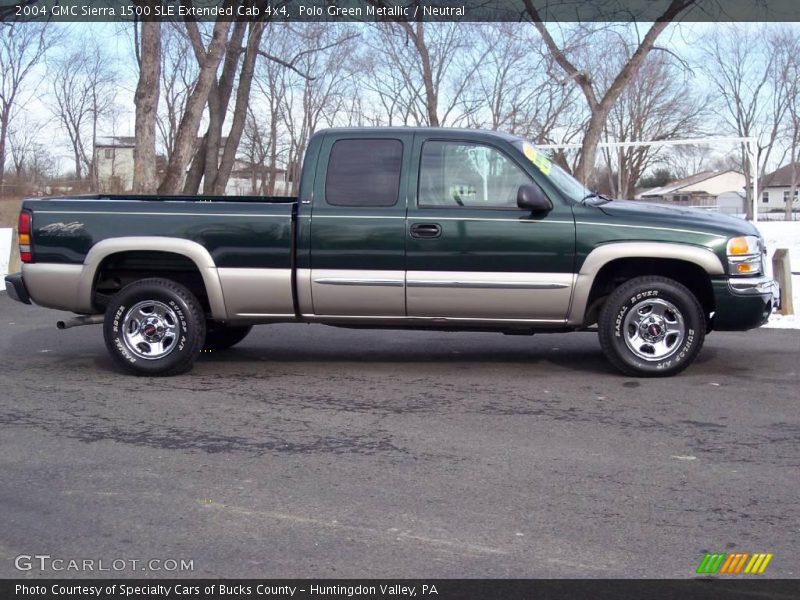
[358, 225]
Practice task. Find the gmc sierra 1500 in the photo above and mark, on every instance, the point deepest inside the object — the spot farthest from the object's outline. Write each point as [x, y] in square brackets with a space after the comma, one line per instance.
[397, 228]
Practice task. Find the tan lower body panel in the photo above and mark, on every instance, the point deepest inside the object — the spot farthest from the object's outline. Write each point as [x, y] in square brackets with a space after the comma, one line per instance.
[346, 292]
[473, 295]
[55, 286]
[251, 293]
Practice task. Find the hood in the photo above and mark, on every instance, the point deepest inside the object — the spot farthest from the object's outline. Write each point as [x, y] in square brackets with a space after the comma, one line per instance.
[678, 217]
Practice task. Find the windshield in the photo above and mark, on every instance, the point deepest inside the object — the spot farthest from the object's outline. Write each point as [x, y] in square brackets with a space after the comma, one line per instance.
[566, 183]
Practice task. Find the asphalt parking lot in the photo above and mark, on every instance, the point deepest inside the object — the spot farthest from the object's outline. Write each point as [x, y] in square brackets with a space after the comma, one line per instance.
[310, 451]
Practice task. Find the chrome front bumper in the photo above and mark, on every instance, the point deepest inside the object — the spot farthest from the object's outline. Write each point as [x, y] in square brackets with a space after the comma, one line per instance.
[758, 286]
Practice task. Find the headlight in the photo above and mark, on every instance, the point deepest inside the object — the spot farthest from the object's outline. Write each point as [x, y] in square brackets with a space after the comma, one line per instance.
[744, 255]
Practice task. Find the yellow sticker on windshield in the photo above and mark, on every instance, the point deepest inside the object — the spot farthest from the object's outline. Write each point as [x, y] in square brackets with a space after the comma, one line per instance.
[537, 158]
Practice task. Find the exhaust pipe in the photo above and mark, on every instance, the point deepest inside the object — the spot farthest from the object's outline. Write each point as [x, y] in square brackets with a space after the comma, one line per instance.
[81, 320]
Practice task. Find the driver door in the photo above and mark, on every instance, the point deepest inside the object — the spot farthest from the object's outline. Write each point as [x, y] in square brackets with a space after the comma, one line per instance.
[471, 253]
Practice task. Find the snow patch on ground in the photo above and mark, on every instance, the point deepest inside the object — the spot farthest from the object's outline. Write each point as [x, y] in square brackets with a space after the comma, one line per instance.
[784, 234]
[5, 251]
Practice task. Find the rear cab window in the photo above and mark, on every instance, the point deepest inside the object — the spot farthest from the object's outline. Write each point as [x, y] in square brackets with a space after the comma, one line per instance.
[364, 172]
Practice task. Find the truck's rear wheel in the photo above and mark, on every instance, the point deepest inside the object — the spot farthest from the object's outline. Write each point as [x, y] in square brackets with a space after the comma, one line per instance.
[222, 337]
[651, 327]
[154, 327]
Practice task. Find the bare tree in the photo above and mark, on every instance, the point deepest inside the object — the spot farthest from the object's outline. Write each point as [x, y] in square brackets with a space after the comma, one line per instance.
[84, 89]
[31, 161]
[255, 32]
[148, 55]
[178, 73]
[514, 86]
[205, 161]
[792, 128]
[317, 86]
[214, 159]
[186, 137]
[22, 47]
[272, 80]
[430, 79]
[22, 136]
[751, 84]
[659, 103]
[421, 71]
[599, 102]
[255, 149]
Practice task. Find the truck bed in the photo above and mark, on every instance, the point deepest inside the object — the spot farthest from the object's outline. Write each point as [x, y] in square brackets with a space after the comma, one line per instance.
[249, 232]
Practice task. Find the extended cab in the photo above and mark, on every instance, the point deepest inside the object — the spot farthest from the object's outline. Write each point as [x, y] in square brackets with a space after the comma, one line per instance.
[397, 228]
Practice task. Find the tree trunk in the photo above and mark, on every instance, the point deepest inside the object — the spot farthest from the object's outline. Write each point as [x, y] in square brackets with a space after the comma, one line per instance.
[78, 168]
[273, 156]
[186, 138]
[600, 108]
[93, 178]
[146, 102]
[591, 138]
[218, 106]
[195, 173]
[205, 160]
[240, 109]
[417, 33]
[4, 118]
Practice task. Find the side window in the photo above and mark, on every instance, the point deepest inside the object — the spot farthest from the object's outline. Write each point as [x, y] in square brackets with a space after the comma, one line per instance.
[469, 175]
[364, 173]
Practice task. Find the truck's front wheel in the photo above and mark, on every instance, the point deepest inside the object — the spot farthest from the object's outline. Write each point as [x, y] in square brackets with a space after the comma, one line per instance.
[154, 327]
[651, 327]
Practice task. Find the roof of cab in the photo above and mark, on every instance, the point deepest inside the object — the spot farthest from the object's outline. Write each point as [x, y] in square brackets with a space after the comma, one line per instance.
[437, 131]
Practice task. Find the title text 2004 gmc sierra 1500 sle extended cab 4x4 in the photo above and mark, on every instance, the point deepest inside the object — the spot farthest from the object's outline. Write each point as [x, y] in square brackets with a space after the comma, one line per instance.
[397, 228]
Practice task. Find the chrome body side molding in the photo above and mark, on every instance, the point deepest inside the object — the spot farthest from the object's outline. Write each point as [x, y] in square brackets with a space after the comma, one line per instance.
[359, 281]
[487, 285]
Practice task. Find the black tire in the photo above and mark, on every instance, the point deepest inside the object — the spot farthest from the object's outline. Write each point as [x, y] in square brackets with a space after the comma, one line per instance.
[154, 327]
[651, 327]
[222, 337]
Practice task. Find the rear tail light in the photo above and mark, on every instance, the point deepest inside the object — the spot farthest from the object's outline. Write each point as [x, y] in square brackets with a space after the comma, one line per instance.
[24, 235]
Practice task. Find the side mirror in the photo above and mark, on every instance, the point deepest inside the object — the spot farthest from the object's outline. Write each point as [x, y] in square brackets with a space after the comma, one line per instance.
[533, 198]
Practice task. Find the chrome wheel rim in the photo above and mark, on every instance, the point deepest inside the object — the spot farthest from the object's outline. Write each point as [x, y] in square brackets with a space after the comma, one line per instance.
[654, 329]
[150, 330]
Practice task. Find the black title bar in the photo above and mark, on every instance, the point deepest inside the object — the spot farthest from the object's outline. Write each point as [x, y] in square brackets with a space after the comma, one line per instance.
[399, 10]
[386, 589]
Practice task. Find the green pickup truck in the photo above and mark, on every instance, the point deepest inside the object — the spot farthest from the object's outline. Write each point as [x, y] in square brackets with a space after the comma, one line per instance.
[417, 228]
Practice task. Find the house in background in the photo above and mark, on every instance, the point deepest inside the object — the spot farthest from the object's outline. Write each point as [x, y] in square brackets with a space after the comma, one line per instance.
[246, 179]
[700, 190]
[114, 161]
[115, 170]
[774, 189]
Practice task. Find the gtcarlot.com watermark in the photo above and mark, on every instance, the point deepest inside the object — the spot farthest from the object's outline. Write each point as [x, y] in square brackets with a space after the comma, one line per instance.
[58, 564]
